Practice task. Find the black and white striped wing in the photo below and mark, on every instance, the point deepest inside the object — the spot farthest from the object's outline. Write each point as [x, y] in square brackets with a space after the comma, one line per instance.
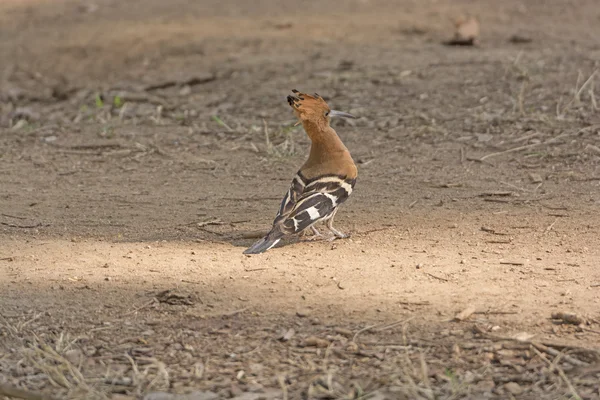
[317, 202]
[291, 197]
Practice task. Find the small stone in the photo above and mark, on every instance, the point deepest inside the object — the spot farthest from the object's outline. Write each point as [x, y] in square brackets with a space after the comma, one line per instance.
[484, 137]
[513, 388]
[185, 91]
[302, 313]
[535, 178]
[256, 368]
[486, 386]
[74, 356]
[314, 341]
[343, 331]
[288, 335]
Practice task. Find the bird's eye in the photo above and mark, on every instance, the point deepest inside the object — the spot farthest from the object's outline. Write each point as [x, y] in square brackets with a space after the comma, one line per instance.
[327, 113]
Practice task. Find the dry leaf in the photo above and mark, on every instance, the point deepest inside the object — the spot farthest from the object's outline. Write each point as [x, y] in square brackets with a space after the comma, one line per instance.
[464, 314]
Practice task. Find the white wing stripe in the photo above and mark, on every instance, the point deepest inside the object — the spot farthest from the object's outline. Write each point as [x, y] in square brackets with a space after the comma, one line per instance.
[332, 179]
[313, 213]
[332, 198]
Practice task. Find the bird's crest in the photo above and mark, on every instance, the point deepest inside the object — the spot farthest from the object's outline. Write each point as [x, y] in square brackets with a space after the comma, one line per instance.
[308, 107]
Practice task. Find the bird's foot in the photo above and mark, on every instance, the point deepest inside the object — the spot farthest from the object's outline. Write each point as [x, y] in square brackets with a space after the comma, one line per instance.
[336, 234]
[316, 235]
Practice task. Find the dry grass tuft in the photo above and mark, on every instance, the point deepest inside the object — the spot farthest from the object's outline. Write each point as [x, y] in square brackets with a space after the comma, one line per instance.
[285, 146]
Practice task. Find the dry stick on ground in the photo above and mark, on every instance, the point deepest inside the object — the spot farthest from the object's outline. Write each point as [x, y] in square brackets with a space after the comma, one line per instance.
[284, 390]
[149, 303]
[383, 326]
[554, 365]
[542, 346]
[528, 146]
[554, 352]
[10, 391]
[577, 96]
[21, 226]
[437, 277]
[549, 228]
[12, 216]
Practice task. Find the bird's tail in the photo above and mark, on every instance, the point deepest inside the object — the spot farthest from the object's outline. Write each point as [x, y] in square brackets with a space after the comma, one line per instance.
[265, 243]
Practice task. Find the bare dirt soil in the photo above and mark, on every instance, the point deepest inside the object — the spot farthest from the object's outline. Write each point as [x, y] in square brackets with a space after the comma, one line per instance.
[135, 168]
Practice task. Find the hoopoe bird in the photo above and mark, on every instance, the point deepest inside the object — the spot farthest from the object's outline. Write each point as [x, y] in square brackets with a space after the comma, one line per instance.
[466, 31]
[322, 184]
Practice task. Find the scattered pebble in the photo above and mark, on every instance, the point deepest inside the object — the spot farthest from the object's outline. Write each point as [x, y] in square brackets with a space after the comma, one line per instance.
[314, 341]
[513, 388]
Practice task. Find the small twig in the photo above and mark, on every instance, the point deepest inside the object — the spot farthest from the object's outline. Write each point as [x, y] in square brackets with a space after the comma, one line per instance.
[21, 226]
[284, 390]
[252, 234]
[492, 231]
[527, 146]
[425, 376]
[154, 299]
[516, 187]
[365, 329]
[521, 98]
[496, 312]
[232, 313]
[549, 228]
[516, 263]
[216, 221]
[376, 230]
[12, 216]
[10, 391]
[554, 352]
[414, 303]
[436, 277]
[222, 123]
[554, 365]
[591, 330]
[577, 96]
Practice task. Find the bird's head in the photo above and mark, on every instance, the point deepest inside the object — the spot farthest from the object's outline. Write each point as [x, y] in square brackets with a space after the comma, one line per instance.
[313, 109]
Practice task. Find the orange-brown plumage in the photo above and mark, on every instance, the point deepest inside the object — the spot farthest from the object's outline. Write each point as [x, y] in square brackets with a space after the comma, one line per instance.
[325, 181]
[328, 155]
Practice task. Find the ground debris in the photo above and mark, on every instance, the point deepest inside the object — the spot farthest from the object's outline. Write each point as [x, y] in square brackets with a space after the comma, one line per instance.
[568, 318]
[465, 314]
[513, 388]
[313, 341]
[520, 39]
[200, 395]
[176, 297]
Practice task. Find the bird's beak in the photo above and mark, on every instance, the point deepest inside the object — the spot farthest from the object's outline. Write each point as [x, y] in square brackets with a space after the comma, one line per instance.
[335, 113]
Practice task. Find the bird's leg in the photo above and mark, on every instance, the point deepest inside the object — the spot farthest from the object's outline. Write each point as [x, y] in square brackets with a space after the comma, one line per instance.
[336, 234]
[316, 234]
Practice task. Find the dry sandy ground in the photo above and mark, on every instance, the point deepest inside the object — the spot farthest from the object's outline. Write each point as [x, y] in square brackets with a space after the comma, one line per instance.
[135, 169]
